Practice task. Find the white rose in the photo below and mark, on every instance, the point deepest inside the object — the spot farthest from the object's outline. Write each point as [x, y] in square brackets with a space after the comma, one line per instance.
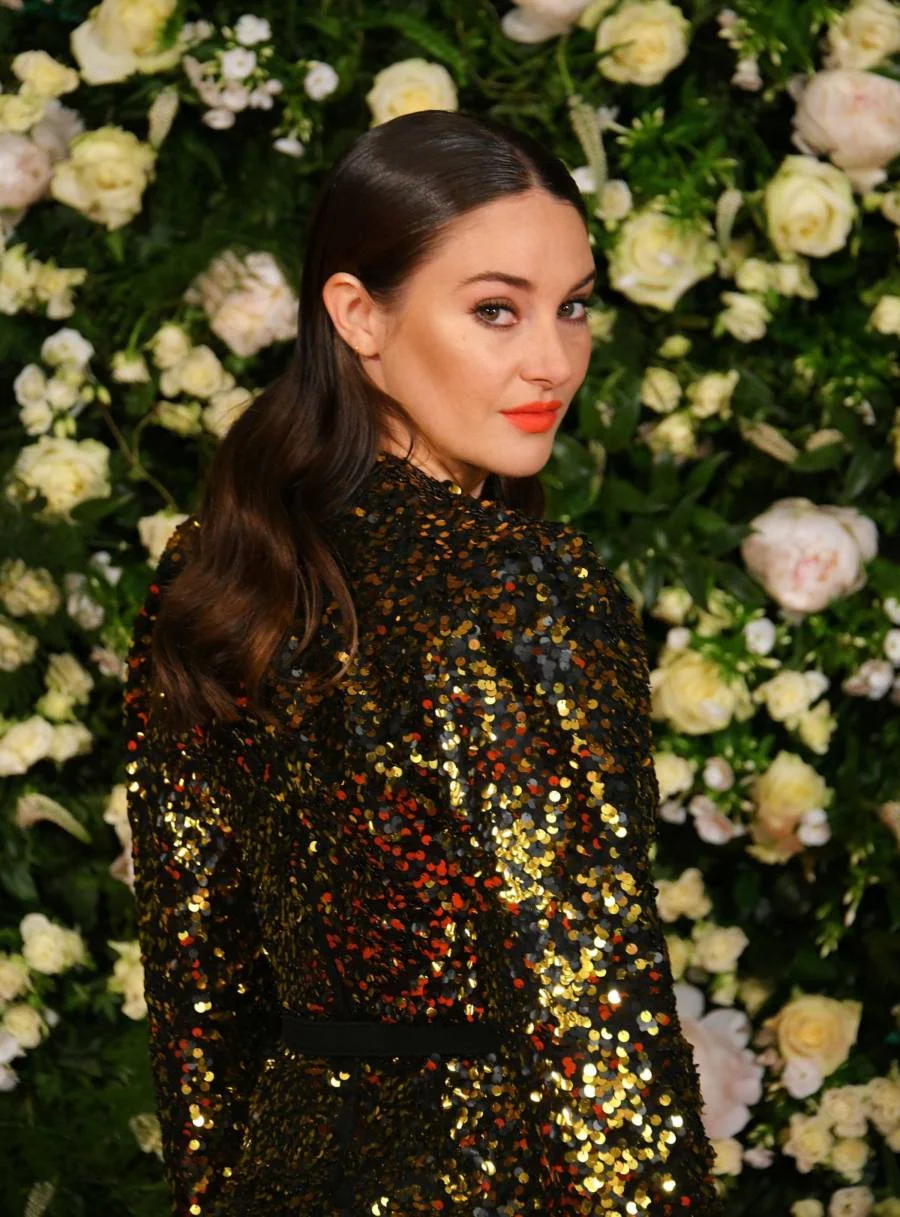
[69, 739]
[25, 171]
[249, 302]
[129, 368]
[16, 646]
[675, 774]
[249, 30]
[863, 36]
[56, 130]
[224, 408]
[744, 317]
[642, 42]
[809, 207]
[67, 347]
[730, 1076]
[885, 316]
[790, 694]
[46, 948]
[787, 790]
[660, 390]
[718, 948]
[320, 80]
[792, 277]
[850, 1202]
[711, 394]
[806, 555]
[121, 37]
[44, 74]
[853, 118]
[809, 1142]
[409, 86]
[24, 744]
[155, 531]
[807, 1208]
[66, 471]
[30, 386]
[24, 590]
[14, 977]
[169, 345]
[690, 691]
[683, 897]
[25, 1024]
[655, 261]
[105, 175]
[533, 21]
[66, 675]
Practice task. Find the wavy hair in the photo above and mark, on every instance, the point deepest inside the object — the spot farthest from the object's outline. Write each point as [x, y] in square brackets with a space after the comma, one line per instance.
[261, 564]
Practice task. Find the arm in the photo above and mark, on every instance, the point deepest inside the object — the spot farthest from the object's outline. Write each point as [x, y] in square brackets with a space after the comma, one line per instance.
[540, 694]
[207, 979]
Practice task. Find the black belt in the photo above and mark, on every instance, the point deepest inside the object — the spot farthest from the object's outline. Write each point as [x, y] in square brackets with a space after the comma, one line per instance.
[388, 1039]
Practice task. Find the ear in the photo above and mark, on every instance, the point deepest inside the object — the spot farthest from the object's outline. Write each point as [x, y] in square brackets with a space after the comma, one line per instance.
[353, 312]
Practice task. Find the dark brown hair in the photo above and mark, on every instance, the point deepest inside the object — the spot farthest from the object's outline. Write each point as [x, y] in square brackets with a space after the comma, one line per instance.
[299, 450]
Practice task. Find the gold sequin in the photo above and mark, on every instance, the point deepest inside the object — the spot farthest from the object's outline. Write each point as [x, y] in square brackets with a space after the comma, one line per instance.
[458, 833]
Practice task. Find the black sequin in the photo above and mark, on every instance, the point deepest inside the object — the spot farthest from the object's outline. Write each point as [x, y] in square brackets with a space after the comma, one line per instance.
[459, 832]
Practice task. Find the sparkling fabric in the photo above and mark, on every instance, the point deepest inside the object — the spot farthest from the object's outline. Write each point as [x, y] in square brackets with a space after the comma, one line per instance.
[458, 832]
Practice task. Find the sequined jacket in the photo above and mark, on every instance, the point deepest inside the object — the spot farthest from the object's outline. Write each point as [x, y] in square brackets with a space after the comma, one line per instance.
[459, 832]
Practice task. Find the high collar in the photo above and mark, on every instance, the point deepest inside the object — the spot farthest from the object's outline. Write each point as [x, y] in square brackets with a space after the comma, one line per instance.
[395, 468]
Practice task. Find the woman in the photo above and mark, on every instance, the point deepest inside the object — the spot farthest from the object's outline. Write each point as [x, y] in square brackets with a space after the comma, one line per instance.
[391, 789]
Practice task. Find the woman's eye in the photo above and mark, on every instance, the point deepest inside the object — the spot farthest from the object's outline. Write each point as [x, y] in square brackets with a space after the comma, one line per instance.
[506, 306]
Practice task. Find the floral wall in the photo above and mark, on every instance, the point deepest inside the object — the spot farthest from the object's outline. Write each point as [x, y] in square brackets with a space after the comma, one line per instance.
[733, 452]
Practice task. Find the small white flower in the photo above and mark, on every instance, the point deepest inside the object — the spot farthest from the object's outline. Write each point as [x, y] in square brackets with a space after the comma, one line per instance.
[250, 29]
[813, 828]
[892, 646]
[219, 119]
[759, 636]
[678, 638]
[66, 346]
[801, 1077]
[289, 145]
[872, 679]
[238, 63]
[320, 80]
[234, 97]
[891, 607]
[260, 99]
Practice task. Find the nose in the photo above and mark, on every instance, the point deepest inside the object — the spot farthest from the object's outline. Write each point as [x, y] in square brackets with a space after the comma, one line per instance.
[549, 355]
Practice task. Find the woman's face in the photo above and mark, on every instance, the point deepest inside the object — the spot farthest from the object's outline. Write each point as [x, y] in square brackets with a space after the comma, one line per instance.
[465, 345]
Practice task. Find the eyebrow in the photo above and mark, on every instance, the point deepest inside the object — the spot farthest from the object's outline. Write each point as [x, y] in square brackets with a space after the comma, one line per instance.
[518, 281]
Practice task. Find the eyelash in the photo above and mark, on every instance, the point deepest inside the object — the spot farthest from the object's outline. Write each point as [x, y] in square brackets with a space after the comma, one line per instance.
[507, 304]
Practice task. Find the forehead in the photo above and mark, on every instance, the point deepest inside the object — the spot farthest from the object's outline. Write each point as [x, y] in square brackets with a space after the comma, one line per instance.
[533, 234]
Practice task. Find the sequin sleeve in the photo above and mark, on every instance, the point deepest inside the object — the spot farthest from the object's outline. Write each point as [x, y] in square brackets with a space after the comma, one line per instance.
[540, 688]
[208, 985]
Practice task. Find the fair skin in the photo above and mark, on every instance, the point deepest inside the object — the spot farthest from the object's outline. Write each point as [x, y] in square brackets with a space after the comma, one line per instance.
[455, 355]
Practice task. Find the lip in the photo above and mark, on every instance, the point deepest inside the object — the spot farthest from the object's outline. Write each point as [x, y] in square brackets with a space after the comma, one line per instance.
[535, 407]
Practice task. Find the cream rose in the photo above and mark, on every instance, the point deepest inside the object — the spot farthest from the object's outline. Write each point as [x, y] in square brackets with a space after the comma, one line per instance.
[155, 531]
[784, 794]
[849, 1157]
[809, 1141]
[676, 434]
[409, 86]
[718, 948]
[853, 118]
[183, 418]
[655, 261]
[885, 316]
[683, 897]
[105, 175]
[675, 774]
[660, 390]
[24, 1024]
[729, 1156]
[690, 691]
[24, 744]
[25, 171]
[863, 36]
[224, 408]
[17, 647]
[711, 394]
[65, 471]
[24, 590]
[809, 207]
[642, 42]
[805, 556]
[69, 739]
[66, 675]
[744, 317]
[537, 20]
[169, 345]
[679, 954]
[672, 605]
[21, 111]
[47, 947]
[121, 37]
[789, 694]
[199, 374]
[882, 1101]
[851, 1202]
[14, 977]
[128, 979]
[820, 1030]
[248, 301]
[44, 74]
